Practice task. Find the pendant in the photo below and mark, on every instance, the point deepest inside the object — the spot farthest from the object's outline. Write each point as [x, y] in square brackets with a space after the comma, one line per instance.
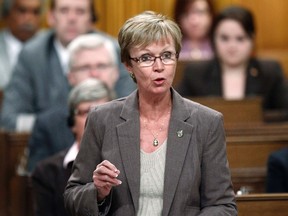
[155, 142]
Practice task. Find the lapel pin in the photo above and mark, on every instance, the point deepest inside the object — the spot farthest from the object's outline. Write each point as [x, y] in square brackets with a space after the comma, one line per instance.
[254, 72]
[180, 133]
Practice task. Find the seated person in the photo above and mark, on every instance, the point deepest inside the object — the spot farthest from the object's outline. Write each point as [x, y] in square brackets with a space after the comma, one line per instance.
[195, 18]
[22, 21]
[90, 56]
[51, 174]
[234, 74]
[277, 172]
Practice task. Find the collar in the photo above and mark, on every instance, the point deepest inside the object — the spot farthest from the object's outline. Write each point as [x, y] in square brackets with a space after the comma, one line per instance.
[130, 109]
[14, 46]
[71, 155]
[62, 54]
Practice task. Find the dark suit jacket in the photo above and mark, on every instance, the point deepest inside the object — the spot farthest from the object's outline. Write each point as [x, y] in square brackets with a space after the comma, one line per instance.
[277, 173]
[264, 78]
[49, 180]
[37, 83]
[50, 135]
[197, 178]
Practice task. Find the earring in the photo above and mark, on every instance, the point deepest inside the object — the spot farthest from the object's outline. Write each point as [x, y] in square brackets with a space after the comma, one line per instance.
[132, 75]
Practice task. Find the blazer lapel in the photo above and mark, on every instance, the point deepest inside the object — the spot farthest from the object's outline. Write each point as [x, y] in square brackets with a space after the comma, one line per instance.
[177, 146]
[129, 145]
[253, 79]
[214, 81]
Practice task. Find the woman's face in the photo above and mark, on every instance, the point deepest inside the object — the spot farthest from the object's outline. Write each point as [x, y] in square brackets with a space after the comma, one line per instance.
[196, 22]
[157, 78]
[233, 45]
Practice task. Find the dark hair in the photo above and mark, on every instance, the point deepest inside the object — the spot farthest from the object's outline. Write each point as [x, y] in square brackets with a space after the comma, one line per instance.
[181, 7]
[240, 14]
[94, 15]
[7, 6]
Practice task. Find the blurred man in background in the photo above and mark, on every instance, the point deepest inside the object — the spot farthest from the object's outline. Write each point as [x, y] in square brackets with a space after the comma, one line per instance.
[21, 19]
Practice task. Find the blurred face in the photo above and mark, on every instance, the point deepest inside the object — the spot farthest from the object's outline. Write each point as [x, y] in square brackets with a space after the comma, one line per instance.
[70, 18]
[232, 44]
[24, 18]
[196, 22]
[157, 78]
[80, 117]
[93, 63]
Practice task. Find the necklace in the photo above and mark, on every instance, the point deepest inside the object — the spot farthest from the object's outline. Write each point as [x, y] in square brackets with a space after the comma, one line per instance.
[155, 140]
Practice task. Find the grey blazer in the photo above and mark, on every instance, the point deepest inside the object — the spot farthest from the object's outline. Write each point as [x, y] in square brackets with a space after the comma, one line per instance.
[197, 178]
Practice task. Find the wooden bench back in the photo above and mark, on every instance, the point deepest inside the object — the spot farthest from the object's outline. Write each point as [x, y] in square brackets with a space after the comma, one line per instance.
[262, 204]
[14, 200]
[235, 111]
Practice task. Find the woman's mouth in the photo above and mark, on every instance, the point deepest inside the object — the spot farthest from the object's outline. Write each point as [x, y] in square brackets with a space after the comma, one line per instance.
[159, 81]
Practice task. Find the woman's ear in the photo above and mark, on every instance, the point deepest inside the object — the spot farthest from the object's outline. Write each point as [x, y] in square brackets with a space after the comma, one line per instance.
[128, 67]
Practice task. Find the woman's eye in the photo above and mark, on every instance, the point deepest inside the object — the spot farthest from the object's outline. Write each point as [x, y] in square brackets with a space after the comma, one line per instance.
[166, 55]
[145, 58]
[224, 38]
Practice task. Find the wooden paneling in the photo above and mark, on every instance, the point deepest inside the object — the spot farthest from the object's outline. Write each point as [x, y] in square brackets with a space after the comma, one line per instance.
[17, 186]
[3, 175]
[262, 205]
[113, 14]
[243, 111]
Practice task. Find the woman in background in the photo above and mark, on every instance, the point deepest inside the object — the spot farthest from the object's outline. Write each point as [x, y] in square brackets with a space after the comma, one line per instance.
[234, 74]
[195, 18]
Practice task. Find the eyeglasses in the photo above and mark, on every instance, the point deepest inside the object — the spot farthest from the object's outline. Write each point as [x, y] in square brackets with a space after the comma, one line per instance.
[88, 68]
[83, 112]
[147, 60]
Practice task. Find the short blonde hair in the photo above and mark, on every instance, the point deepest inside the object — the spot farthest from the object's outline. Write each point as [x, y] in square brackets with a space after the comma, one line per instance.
[144, 29]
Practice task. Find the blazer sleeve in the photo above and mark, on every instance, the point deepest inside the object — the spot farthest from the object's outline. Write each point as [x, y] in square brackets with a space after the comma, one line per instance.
[80, 196]
[217, 195]
[18, 96]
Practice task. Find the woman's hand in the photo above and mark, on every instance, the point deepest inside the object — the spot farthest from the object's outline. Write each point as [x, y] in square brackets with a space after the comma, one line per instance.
[104, 178]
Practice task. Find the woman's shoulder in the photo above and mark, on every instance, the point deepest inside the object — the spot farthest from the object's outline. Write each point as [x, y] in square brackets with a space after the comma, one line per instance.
[197, 106]
[266, 64]
[111, 106]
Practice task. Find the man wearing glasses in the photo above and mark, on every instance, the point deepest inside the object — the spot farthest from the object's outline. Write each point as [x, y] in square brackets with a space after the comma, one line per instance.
[90, 56]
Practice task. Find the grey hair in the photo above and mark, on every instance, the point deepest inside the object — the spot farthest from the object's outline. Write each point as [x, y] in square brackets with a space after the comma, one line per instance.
[88, 90]
[91, 41]
[8, 4]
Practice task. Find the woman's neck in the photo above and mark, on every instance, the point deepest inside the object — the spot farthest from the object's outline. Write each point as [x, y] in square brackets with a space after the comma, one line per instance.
[154, 109]
[241, 68]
